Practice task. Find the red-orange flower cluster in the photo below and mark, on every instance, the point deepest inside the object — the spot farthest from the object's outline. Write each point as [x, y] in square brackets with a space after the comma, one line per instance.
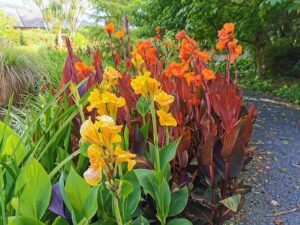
[83, 70]
[109, 28]
[120, 34]
[148, 53]
[226, 41]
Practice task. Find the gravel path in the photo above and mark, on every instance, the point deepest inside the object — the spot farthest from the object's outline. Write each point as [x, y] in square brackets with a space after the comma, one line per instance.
[274, 172]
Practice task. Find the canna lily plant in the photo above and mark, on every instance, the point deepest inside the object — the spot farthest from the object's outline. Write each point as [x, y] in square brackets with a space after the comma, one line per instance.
[158, 136]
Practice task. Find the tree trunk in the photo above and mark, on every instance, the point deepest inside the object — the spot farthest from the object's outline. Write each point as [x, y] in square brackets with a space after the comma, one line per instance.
[259, 52]
[260, 60]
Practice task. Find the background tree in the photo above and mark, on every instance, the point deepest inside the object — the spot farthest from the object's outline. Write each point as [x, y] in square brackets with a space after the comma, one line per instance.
[259, 23]
[75, 11]
[115, 10]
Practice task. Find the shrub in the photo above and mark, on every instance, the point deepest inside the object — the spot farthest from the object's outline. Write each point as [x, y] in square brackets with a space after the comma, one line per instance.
[80, 41]
[37, 37]
[283, 58]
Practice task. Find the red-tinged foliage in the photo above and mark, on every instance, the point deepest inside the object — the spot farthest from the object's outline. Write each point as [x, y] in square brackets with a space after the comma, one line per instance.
[213, 122]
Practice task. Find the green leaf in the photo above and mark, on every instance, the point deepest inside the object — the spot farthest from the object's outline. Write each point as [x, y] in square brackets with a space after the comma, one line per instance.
[126, 188]
[132, 200]
[126, 137]
[232, 202]
[60, 221]
[33, 189]
[167, 153]
[9, 140]
[165, 198]
[25, 221]
[147, 180]
[142, 106]
[77, 191]
[140, 221]
[179, 199]
[145, 130]
[90, 205]
[180, 222]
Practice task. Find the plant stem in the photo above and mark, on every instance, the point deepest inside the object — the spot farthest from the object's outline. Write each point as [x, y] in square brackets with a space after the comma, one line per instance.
[117, 210]
[155, 136]
[167, 135]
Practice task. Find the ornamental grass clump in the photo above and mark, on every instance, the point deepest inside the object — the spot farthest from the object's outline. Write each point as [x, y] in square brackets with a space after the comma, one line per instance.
[20, 72]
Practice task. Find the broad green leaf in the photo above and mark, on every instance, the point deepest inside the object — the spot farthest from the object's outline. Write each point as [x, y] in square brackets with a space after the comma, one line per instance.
[179, 199]
[140, 221]
[232, 202]
[84, 221]
[180, 222]
[77, 192]
[126, 188]
[90, 205]
[25, 221]
[33, 188]
[147, 180]
[142, 106]
[9, 140]
[132, 200]
[167, 153]
[165, 198]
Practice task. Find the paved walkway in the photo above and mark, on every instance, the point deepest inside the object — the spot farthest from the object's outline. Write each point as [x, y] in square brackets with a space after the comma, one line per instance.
[274, 172]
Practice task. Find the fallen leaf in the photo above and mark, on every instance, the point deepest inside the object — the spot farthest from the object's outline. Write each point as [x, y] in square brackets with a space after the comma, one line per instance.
[278, 222]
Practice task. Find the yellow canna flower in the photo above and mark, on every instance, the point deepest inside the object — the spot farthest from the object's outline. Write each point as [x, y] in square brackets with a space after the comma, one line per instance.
[164, 100]
[95, 154]
[166, 119]
[137, 60]
[92, 177]
[145, 85]
[109, 130]
[89, 132]
[106, 103]
[125, 156]
[111, 76]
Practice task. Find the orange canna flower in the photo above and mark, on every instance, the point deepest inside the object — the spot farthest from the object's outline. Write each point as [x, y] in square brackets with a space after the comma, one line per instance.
[221, 44]
[83, 69]
[109, 28]
[232, 45]
[180, 35]
[208, 74]
[192, 78]
[176, 69]
[203, 56]
[229, 27]
[225, 35]
[234, 49]
[120, 34]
